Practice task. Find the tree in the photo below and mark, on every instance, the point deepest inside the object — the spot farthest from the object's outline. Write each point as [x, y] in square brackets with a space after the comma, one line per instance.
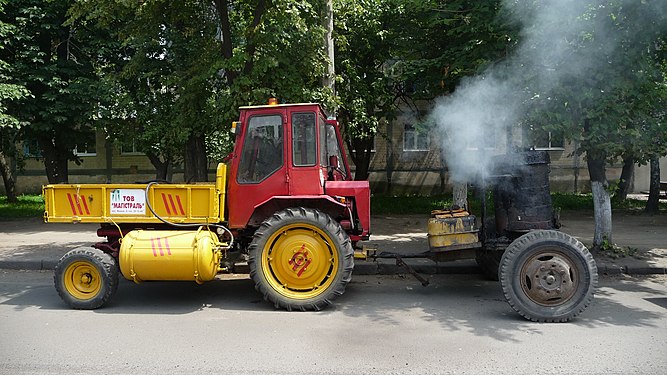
[392, 54]
[48, 60]
[595, 83]
[184, 70]
[364, 46]
[9, 124]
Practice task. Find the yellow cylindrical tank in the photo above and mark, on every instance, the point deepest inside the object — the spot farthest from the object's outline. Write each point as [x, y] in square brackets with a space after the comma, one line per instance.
[170, 255]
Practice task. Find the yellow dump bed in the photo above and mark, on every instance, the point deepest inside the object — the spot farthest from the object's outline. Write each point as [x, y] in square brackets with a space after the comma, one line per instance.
[128, 203]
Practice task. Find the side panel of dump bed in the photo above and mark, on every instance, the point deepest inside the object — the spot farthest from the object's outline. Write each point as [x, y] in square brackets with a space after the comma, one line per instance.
[127, 203]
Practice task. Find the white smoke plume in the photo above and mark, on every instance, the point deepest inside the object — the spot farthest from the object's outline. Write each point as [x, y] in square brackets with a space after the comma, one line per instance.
[476, 121]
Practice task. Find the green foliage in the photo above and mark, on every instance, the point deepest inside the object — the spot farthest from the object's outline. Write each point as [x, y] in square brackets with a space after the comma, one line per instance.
[165, 75]
[605, 89]
[27, 206]
[442, 42]
[392, 55]
[50, 72]
[613, 251]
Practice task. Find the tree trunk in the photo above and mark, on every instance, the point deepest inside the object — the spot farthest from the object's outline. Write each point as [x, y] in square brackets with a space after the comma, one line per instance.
[625, 181]
[227, 45]
[361, 157]
[652, 205]
[55, 160]
[601, 202]
[327, 22]
[461, 195]
[8, 178]
[161, 167]
[196, 165]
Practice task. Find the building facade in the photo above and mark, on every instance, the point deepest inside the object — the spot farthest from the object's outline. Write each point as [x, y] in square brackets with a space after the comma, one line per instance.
[406, 159]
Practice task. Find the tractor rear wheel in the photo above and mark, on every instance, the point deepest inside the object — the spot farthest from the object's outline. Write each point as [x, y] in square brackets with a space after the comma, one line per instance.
[86, 278]
[300, 259]
[548, 276]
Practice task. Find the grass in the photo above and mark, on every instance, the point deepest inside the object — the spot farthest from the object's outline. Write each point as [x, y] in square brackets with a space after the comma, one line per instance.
[414, 204]
[27, 206]
[571, 201]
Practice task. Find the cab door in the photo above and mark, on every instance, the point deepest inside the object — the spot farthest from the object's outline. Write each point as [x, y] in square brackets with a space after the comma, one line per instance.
[305, 174]
[259, 170]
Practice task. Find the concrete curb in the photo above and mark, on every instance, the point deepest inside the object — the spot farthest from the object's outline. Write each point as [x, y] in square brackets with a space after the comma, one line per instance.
[32, 265]
[389, 267]
[615, 269]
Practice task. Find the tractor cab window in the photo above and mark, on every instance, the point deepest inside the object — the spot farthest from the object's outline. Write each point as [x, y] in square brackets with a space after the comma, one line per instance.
[304, 139]
[331, 157]
[262, 153]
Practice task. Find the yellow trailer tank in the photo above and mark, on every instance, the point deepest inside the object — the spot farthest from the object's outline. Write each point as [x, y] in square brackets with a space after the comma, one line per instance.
[170, 255]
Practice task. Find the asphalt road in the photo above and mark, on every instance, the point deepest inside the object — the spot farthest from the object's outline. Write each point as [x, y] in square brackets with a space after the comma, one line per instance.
[383, 324]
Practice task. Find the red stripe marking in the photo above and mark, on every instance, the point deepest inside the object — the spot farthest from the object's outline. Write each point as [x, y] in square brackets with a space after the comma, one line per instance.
[153, 246]
[71, 204]
[78, 204]
[178, 199]
[164, 199]
[85, 205]
[159, 245]
[173, 206]
[303, 268]
[166, 244]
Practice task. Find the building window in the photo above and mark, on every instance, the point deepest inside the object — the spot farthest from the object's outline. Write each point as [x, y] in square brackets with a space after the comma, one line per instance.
[415, 140]
[31, 148]
[85, 145]
[545, 140]
[130, 148]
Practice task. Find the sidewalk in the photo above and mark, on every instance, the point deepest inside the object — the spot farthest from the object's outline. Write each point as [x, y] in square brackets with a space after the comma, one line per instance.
[33, 245]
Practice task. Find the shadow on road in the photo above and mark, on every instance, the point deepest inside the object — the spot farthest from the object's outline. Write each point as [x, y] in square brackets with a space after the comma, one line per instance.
[456, 302]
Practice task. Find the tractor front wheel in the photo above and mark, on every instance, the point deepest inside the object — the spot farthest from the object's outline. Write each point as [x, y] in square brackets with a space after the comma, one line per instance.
[548, 276]
[86, 278]
[300, 259]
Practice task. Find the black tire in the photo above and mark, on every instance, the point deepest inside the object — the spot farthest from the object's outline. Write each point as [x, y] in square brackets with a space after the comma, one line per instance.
[299, 231]
[489, 262]
[86, 278]
[548, 276]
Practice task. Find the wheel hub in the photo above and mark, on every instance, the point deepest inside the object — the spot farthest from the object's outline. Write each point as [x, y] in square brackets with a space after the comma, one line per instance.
[301, 261]
[82, 280]
[549, 278]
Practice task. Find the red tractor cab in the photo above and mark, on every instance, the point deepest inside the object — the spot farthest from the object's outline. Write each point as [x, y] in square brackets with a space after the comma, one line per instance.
[290, 155]
[293, 204]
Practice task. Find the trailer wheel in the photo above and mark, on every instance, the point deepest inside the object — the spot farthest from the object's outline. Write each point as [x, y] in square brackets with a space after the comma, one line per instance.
[300, 259]
[548, 276]
[86, 278]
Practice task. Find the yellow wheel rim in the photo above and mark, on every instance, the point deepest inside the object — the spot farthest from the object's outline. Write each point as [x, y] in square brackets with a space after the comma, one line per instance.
[82, 280]
[300, 261]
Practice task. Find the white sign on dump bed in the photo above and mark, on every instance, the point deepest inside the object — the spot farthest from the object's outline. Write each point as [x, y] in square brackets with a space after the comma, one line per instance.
[128, 202]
